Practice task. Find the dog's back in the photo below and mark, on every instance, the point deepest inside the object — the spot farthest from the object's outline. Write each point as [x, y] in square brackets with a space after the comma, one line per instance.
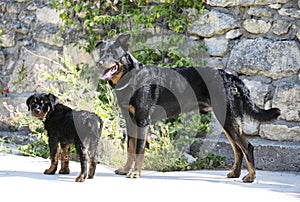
[68, 124]
[88, 126]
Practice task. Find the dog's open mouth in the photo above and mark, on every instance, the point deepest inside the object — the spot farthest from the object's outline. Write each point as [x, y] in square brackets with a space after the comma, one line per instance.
[109, 73]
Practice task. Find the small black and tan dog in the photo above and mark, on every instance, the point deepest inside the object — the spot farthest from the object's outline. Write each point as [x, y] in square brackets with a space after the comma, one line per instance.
[65, 126]
[147, 93]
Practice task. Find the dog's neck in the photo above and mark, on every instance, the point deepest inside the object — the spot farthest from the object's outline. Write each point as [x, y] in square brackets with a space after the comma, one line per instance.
[122, 87]
[50, 112]
[47, 116]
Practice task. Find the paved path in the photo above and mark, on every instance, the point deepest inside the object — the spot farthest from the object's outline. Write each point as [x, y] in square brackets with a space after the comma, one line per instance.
[21, 179]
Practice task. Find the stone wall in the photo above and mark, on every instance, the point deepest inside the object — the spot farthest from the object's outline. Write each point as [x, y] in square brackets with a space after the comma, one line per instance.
[257, 39]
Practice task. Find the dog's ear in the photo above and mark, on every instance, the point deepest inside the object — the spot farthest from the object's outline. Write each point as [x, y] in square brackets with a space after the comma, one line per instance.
[122, 41]
[28, 101]
[53, 99]
[131, 62]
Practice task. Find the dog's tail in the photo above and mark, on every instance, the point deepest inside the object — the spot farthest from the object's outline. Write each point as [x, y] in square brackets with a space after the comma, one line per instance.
[251, 109]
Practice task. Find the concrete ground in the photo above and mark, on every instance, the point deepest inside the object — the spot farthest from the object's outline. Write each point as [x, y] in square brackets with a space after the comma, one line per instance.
[22, 179]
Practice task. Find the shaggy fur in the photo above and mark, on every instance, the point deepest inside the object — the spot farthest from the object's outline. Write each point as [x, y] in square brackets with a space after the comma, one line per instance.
[67, 126]
[140, 90]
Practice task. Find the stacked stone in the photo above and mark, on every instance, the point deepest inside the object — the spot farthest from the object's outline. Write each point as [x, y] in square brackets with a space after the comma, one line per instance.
[257, 39]
[31, 43]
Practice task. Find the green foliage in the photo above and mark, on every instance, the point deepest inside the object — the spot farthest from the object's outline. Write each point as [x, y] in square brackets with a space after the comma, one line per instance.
[3, 147]
[37, 148]
[173, 51]
[211, 161]
[112, 152]
[106, 18]
[168, 140]
[1, 32]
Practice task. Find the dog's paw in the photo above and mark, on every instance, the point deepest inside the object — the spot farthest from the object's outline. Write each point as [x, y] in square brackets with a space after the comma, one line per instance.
[80, 178]
[122, 171]
[64, 171]
[248, 178]
[234, 174]
[134, 174]
[90, 177]
[49, 171]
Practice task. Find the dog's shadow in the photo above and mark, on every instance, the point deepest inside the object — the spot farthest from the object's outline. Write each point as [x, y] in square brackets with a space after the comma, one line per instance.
[39, 175]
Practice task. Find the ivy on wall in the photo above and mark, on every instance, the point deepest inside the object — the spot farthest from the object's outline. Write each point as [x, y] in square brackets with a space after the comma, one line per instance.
[107, 18]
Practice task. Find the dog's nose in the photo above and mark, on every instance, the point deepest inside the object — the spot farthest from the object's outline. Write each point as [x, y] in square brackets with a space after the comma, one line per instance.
[36, 110]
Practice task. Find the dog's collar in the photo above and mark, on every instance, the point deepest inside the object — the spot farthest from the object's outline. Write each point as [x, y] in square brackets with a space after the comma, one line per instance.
[123, 87]
[47, 116]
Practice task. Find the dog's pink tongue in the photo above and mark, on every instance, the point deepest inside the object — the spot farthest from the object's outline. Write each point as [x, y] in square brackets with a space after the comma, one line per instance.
[108, 74]
[104, 76]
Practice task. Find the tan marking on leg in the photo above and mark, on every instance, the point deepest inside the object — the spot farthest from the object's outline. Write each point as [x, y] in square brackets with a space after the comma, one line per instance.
[136, 172]
[54, 162]
[131, 109]
[64, 159]
[131, 156]
[236, 168]
[92, 169]
[248, 154]
[131, 149]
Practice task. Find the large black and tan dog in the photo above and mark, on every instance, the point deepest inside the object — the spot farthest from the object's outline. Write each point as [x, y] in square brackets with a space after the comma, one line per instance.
[65, 126]
[150, 93]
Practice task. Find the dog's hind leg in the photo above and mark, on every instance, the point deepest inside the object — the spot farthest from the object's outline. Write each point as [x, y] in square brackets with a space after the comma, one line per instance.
[92, 167]
[131, 148]
[248, 149]
[93, 161]
[238, 157]
[241, 147]
[81, 151]
[64, 158]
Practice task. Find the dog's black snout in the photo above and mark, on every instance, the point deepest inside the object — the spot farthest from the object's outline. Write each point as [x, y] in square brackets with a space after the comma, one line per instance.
[36, 110]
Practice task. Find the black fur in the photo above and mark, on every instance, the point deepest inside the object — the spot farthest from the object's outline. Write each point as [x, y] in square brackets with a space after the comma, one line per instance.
[140, 90]
[67, 126]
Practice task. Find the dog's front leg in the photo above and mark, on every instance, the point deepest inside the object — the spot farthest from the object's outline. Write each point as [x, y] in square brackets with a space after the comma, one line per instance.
[140, 151]
[131, 147]
[54, 151]
[64, 159]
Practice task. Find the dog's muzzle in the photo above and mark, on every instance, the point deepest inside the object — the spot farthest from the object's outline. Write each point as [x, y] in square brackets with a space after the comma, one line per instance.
[36, 111]
[110, 68]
